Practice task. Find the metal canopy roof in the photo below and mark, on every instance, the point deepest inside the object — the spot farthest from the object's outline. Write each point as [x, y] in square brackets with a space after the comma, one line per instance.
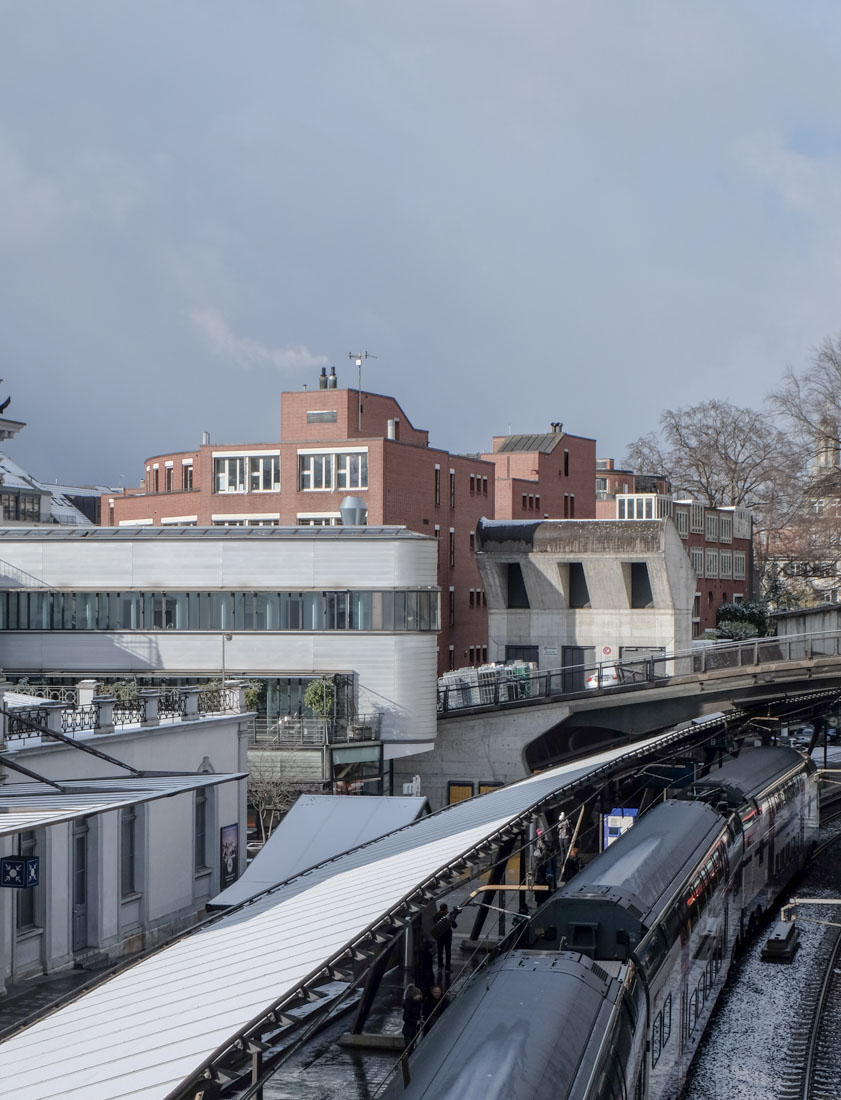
[25, 806]
[173, 531]
[149, 1030]
[317, 828]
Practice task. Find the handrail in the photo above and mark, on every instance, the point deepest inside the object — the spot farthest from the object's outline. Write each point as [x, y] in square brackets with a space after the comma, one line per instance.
[493, 687]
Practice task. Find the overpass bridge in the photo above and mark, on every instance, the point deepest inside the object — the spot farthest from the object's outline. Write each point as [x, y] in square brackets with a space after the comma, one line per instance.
[498, 732]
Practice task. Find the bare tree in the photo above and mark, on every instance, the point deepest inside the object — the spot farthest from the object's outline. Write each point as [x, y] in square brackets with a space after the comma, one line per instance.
[271, 791]
[719, 453]
[810, 401]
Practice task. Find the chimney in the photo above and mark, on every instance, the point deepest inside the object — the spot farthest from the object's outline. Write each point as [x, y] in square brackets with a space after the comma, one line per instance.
[354, 512]
[332, 381]
[322, 381]
[393, 428]
[205, 438]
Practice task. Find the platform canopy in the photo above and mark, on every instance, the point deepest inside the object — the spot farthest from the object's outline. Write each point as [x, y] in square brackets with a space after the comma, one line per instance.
[25, 806]
[317, 828]
[147, 1031]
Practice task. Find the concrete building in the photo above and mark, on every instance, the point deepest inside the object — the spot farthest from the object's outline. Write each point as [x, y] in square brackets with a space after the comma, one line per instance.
[339, 442]
[130, 842]
[577, 593]
[354, 608]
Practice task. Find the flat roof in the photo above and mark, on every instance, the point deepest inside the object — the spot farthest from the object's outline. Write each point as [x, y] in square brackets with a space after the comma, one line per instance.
[149, 1029]
[25, 806]
[173, 531]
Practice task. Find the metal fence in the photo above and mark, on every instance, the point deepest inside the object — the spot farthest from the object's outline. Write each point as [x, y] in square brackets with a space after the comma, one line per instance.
[76, 719]
[18, 728]
[291, 732]
[521, 686]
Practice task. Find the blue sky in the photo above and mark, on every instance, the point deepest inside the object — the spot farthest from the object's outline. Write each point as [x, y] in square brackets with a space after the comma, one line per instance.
[532, 212]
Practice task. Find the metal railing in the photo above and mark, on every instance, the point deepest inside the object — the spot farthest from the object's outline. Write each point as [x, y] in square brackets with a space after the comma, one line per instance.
[652, 670]
[292, 732]
[80, 718]
[215, 700]
[130, 713]
[171, 703]
[18, 729]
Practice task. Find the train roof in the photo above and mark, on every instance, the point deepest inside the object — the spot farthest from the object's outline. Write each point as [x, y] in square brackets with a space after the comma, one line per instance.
[522, 1028]
[648, 863]
[748, 774]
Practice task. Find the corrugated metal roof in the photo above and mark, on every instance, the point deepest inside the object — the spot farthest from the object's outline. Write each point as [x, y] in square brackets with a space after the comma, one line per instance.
[26, 806]
[544, 442]
[151, 1027]
[319, 827]
[130, 534]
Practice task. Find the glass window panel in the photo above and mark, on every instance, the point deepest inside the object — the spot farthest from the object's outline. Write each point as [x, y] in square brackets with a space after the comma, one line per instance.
[267, 611]
[313, 611]
[412, 610]
[39, 610]
[360, 610]
[221, 611]
[399, 611]
[86, 610]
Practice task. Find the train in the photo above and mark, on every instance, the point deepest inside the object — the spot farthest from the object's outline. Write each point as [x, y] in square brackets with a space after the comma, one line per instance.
[604, 993]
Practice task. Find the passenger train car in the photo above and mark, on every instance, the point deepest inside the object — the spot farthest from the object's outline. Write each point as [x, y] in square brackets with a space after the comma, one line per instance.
[607, 991]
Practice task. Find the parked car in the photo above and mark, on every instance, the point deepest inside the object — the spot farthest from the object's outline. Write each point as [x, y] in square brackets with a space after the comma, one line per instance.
[603, 677]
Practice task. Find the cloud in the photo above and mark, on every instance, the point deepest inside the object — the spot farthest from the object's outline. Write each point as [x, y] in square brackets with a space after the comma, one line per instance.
[245, 352]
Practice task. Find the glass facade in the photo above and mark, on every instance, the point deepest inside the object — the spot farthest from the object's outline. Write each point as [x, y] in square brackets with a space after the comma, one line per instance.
[390, 610]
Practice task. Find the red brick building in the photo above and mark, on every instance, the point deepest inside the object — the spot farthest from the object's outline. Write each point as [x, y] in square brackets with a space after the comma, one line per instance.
[611, 481]
[336, 443]
[719, 542]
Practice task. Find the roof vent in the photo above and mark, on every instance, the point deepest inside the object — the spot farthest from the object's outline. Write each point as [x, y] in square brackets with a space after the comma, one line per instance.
[354, 512]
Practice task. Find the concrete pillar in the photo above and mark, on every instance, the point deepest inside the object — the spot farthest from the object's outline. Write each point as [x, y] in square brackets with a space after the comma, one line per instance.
[4, 687]
[236, 689]
[150, 699]
[87, 690]
[105, 708]
[55, 717]
[189, 703]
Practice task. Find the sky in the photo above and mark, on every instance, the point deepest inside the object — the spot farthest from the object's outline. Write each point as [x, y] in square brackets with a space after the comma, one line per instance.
[531, 212]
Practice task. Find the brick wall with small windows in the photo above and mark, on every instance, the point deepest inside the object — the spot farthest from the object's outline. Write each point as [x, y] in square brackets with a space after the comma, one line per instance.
[556, 481]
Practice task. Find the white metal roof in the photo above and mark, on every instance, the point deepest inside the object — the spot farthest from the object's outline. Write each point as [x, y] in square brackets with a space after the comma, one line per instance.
[149, 1028]
[26, 806]
[319, 827]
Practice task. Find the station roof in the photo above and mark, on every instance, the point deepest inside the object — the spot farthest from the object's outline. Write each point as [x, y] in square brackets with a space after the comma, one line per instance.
[25, 806]
[58, 533]
[318, 827]
[149, 1029]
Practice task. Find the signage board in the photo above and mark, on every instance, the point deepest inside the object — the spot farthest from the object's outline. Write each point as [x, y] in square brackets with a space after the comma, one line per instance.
[20, 872]
[229, 855]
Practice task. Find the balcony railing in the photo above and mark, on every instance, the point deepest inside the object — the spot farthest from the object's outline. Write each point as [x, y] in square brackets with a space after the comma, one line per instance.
[291, 732]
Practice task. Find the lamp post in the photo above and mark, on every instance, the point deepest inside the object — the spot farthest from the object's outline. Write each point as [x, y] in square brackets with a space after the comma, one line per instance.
[225, 638]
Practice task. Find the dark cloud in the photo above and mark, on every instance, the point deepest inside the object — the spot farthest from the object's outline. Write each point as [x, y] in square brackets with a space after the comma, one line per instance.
[529, 212]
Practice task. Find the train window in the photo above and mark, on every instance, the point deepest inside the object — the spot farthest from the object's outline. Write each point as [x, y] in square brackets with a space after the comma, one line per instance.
[692, 1014]
[656, 1038]
[667, 1019]
[652, 952]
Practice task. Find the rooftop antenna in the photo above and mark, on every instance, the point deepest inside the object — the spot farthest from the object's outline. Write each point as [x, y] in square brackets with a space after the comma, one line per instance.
[358, 358]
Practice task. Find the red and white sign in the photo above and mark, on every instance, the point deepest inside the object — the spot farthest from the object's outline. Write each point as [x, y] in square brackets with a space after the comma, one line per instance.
[606, 650]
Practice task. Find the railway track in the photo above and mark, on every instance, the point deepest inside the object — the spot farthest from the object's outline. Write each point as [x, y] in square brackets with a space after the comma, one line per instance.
[814, 1051]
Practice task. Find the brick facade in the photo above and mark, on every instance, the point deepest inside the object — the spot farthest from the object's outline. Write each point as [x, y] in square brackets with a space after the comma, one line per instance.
[424, 488]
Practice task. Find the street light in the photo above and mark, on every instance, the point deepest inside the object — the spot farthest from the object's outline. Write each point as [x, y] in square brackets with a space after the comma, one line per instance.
[225, 638]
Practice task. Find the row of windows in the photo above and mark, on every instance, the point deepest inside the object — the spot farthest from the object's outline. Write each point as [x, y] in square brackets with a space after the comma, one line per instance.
[341, 610]
[21, 506]
[531, 501]
[479, 484]
[247, 474]
[153, 484]
[696, 1000]
[331, 472]
[477, 598]
[718, 563]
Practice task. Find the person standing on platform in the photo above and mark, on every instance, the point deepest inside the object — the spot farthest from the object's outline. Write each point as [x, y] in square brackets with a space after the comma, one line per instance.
[412, 1012]
[442, 933]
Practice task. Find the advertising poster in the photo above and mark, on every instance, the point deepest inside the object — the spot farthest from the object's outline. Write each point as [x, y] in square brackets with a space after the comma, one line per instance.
[229, 842]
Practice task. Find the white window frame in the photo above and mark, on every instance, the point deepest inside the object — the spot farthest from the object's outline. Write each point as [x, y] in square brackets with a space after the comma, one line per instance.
[682, 522]
[711, 563]
[696, 556]
[739, 565]
[711, 526]
[725, 564]
[725, 528]
[307, 465]
[696, 518]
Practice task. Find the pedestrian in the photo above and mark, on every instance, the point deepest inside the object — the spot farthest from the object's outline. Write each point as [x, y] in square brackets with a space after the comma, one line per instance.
[442, 933]
[425, 969]
[412, 1012]
[434, 1005]
[573, 865]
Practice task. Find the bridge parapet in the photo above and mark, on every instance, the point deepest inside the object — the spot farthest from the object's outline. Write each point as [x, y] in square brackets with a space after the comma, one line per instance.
[494, 688]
